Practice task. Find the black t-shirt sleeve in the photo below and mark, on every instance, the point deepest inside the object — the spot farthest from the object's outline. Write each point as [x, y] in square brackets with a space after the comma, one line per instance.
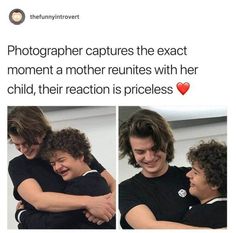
[33, 219]
[18, 172]
[95, 165]
[127, 197]
[91, 185]
[207, 215]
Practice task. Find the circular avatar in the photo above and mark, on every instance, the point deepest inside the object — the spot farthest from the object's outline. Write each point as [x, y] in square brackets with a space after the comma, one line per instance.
[17, 16]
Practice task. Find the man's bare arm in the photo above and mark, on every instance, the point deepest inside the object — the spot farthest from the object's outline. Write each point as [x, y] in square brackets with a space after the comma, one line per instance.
[31, 191]
[148, 220]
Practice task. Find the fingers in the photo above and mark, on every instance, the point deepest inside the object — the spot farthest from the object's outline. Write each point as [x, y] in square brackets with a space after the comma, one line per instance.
[95, 220]
[112, 201]
[108, 214]
[105, 216]
[19, 205]
[92, 218]
[100, 222]
[87, 214]
[101, 208]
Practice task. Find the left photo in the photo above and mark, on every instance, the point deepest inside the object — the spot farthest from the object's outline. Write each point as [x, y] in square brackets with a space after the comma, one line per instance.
[62, 167]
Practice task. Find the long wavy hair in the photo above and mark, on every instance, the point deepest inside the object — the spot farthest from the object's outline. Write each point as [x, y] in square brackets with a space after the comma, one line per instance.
[28, 122]
[142, 124]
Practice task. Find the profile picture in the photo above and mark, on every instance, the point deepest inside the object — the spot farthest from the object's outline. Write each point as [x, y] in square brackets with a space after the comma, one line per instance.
[17, 16]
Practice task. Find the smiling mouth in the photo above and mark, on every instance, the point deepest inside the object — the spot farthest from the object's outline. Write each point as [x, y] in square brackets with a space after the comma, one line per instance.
[191, 185]
[151, 164]
[64, 172]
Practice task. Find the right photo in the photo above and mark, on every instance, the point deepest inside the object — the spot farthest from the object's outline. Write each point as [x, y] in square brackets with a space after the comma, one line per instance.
[173, 167]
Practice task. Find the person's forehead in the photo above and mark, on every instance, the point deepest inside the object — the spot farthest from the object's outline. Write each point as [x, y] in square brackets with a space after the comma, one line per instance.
[17, 139]
[59, 154]
[144, 142]
[196, 167]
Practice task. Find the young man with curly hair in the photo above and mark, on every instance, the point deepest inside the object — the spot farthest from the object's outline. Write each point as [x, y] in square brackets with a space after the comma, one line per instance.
[208, 182]
[68, 152]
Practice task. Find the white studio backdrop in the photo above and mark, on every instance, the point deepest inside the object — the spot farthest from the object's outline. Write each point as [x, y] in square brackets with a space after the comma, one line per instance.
[99, 125]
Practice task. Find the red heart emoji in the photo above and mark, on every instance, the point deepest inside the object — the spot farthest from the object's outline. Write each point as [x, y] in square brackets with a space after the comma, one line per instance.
[183, 87]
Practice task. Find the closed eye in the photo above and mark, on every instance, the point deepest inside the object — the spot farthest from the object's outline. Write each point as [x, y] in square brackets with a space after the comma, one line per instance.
[61, 160]
[139, 152]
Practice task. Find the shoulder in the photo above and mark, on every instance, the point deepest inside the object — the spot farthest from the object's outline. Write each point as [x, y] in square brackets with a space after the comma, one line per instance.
[95, 179]
[217, 205]
[210, 208]
[90, 178]
[92, 184]
[179, 170]
[130, 184]
[130, 180]
[198, 215]
[18, 161]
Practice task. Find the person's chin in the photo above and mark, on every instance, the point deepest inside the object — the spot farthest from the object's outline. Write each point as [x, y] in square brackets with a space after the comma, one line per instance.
[150, 172]
[30, 157]
[191, 191]
[152, 168]
[67, 177]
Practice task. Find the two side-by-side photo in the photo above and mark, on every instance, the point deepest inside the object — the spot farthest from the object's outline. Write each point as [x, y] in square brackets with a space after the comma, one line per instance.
[109, 167]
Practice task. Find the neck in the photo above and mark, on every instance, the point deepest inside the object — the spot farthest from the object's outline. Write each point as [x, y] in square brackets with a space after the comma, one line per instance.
[83, 170]
[206, 199]
[158, 173]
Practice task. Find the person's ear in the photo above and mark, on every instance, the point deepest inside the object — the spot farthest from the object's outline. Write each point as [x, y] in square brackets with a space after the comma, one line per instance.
[81, 158]
[214, 187]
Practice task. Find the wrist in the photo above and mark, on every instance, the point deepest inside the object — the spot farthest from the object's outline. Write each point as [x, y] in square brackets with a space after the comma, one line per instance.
[84, 202]
[113, 195]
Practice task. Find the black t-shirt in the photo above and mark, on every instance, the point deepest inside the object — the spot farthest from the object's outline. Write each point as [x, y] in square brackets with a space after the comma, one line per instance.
[21, 168]
[92, 184]
[212, 214]
[166, 196]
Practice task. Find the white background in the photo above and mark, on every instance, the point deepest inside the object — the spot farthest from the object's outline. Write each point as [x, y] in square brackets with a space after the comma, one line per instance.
[207, 28]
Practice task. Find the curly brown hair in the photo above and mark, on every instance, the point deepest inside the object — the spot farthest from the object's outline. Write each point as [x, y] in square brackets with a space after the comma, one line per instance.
[145, 123]
[212, 158]
[68, 140]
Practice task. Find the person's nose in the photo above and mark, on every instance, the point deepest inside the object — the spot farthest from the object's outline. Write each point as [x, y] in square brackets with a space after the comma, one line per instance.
[189, 174]
[23, 149]
[57, 167]
[149, 155]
